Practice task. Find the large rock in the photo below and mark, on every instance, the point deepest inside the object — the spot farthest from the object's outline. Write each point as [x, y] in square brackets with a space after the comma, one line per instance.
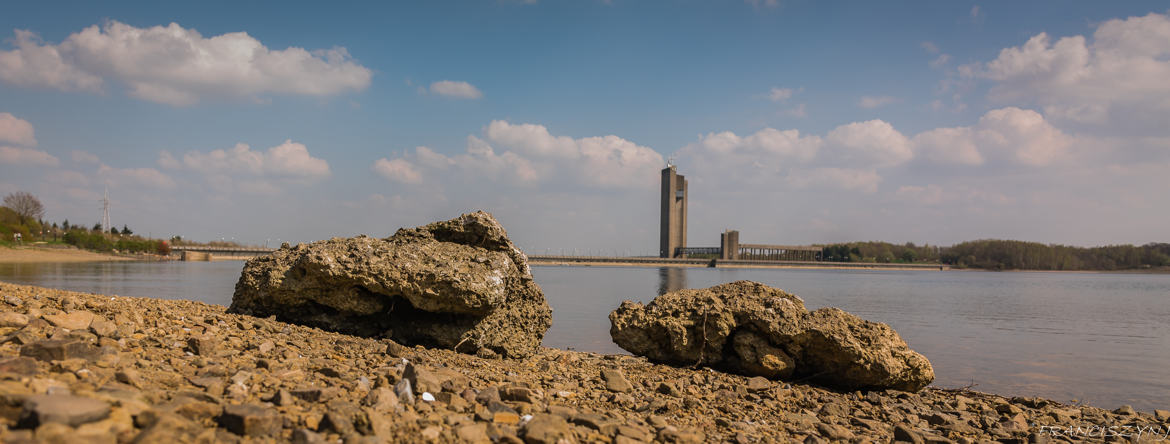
[454, 284]
[752, 329]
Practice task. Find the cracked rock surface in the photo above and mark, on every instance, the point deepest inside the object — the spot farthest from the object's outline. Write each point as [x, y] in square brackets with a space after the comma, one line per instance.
[457, 284]
[756, 330]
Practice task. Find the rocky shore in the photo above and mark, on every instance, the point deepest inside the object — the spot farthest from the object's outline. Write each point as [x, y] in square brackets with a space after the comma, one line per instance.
[77, 367]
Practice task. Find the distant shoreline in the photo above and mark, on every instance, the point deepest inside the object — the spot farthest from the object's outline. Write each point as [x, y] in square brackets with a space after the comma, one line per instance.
[32, 255]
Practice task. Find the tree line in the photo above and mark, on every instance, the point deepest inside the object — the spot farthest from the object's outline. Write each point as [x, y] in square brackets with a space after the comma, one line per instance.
[996, 254]
[23, 213]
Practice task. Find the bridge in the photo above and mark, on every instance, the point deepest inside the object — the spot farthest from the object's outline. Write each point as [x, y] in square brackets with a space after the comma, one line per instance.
[201, 253]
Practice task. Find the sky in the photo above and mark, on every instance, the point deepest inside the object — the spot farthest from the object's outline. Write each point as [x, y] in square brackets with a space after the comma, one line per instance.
[795, 122]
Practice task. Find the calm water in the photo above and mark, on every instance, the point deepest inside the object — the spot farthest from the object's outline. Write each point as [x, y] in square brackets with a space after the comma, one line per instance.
[1099, 338]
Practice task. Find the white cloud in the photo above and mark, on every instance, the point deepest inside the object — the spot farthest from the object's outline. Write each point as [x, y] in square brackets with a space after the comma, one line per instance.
[870, 102]
[178, 66]
[797, 111]
[16, 130]
[397, 170]
[83, 157]
[1115, 83]
[870, 143]
[781, 94]
[456, 90]
[766, 146]
[289, 160]
[26, 156]
[930, 47]
[529, 155]
[1012, 134]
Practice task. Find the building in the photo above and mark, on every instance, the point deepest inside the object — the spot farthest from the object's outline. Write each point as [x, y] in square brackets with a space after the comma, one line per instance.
[673, 226]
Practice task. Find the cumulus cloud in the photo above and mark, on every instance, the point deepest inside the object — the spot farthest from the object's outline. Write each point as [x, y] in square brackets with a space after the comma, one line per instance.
[26, 156]
[16, 130]
[870, 102]
[1012, 134]
[177, 66]
[397, 170]
[289, 160]
[526, 154]
[455, 90]
[1114, 82]
[869, 143]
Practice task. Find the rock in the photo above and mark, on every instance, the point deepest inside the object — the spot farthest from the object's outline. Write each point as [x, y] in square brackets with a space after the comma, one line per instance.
[615, 381]
[546, 429]
[1126, 410]
[251, 420]
[473, 433]
[752, 329]
[18, 365]
[202, 346]
[60, 350]
[758, 384]
[62, 409]
[903, 433]
[455, 284]
[404, 392]
[1162, 415]
[13, 319]
[421, 379]
[76, 320]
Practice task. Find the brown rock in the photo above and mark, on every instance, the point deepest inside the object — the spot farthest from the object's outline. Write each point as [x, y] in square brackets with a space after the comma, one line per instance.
[60, 350]
[202, 346]
[615, 381]
[13, 319]
[63, 409]
[546, 429]
[24, 366]
[251, 420]
[76, 320]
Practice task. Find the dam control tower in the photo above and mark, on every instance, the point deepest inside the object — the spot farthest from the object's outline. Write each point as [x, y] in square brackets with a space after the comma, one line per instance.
[673, 228]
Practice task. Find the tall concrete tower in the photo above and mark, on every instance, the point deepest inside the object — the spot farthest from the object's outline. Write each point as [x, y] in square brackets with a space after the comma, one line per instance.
[673, 228]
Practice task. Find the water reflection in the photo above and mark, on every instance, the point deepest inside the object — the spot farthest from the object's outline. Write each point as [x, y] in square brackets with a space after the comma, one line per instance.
[671, 279]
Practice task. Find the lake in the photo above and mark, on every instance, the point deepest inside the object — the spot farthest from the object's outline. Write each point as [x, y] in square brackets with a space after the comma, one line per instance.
[1098, 338]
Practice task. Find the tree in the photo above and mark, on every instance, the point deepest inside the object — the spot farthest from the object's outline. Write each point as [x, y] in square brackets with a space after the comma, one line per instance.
[97, 227]
[27, 206]
[65, 225]
[126, 230]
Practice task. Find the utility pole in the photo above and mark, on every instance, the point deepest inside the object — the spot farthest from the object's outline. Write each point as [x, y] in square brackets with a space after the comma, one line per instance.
[106, 210]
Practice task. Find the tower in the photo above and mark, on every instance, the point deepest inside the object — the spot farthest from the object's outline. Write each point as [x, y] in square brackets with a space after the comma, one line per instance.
[106, 211]
[673, 226]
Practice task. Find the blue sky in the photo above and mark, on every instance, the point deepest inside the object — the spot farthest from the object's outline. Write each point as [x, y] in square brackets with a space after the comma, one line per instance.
[927, 122]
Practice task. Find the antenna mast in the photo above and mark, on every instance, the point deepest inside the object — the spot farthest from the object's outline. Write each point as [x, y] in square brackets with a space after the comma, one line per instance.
[106, 211]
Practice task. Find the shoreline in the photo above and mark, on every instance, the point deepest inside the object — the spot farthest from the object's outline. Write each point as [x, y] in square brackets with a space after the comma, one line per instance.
[32, 254]
[183, 370]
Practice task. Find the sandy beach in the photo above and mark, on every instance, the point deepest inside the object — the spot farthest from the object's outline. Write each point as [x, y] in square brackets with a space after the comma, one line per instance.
[26, 255]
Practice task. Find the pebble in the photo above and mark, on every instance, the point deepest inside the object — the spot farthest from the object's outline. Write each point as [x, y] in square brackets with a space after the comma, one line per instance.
[62, 409]
[615, 381]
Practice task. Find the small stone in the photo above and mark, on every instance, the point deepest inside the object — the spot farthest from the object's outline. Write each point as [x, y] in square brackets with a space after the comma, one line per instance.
[404, 392]
[102, 327]
[1126, 410]
[668, 388]
[266, 347]
[306, 436]
[202, 346]
[63, 409]
[421, 379]
[382, 399]
[76, 320]
[251, 420]
[24, 366]
[1162, 415]
[758, 384]
[507, 418]
[13, 319]
[427, 396]
[903, 433]
[474, 433]
[60, 350]
[615, 381]
[546, 429]
[834, 432]
[13, 300]
[129, 376]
